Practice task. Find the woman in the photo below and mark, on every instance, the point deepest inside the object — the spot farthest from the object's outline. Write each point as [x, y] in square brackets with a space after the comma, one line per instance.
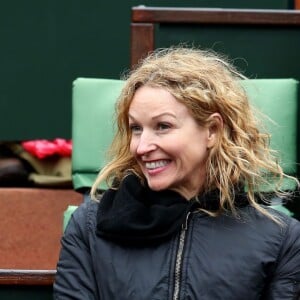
[181, 219]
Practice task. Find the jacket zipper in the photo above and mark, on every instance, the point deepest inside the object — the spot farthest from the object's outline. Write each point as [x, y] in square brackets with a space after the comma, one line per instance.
[178, 263]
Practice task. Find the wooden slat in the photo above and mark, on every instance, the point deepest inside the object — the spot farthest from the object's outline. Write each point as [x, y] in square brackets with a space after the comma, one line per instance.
[143, 14]
[142, 40]
[27, 277]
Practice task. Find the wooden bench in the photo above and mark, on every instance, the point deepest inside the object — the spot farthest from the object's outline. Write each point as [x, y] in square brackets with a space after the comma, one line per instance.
[31, 222]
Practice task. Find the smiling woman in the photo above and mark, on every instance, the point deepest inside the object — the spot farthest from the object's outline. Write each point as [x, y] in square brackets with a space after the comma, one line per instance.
[182, 218]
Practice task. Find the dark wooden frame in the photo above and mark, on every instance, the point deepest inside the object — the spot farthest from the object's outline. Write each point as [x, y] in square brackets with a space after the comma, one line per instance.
[27, 277]
[143, 20]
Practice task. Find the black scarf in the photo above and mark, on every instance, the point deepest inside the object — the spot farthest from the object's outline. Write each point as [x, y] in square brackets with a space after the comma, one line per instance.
[136, 214]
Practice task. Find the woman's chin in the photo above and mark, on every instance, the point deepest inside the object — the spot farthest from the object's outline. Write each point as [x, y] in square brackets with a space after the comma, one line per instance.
[157, 186]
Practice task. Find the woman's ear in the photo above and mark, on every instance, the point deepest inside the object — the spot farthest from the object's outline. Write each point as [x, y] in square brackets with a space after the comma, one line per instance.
[215, 125]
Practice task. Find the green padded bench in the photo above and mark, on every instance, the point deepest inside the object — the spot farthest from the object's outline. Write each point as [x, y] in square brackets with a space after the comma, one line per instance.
[277, 98]
[92, 127]
[93, 114]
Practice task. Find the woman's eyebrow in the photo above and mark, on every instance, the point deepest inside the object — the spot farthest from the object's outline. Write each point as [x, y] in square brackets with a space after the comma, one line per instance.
[165, 114]
[156, 116]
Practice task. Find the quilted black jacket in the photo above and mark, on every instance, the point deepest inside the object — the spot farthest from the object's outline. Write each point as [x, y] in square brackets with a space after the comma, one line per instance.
[225, 257]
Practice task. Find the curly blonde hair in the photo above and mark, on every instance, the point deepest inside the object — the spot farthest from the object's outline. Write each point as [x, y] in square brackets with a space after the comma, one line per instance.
[205, 83]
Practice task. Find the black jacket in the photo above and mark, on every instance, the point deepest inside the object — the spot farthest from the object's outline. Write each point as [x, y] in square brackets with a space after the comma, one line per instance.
[106, 256]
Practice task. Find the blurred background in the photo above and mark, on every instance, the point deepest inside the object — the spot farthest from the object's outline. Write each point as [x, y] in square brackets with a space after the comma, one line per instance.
[45, 45]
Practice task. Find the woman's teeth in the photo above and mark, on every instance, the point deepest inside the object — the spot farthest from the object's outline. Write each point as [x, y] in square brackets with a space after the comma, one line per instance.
[156, 164]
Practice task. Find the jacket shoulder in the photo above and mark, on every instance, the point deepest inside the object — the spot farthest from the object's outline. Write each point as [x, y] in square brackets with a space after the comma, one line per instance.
[83, 218]
[286, 231]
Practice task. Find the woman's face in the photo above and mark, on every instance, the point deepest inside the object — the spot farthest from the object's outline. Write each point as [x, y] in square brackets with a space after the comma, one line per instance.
[169, 146]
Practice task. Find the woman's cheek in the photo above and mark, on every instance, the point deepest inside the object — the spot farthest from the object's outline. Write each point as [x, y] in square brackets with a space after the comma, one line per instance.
[132, 146]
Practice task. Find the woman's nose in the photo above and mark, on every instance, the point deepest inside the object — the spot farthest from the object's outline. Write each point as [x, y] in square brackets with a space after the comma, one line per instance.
[145, 144]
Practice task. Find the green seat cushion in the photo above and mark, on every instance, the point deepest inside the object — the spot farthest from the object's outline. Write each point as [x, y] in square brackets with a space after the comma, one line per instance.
[277, 99]
[67, 215]
[92, 126]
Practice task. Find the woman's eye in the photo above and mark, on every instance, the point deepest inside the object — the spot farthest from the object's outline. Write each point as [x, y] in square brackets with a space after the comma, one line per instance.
[163, 126]
[135, 128]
